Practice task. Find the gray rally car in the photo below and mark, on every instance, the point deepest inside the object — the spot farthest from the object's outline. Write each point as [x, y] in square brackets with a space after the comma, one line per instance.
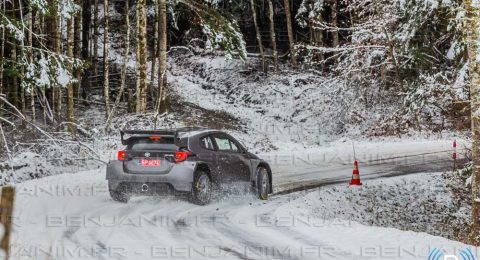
[191, 161]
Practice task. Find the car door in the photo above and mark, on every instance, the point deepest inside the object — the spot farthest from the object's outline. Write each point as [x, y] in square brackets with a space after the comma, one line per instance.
[229, 160]
[208, 154]
[241, 161]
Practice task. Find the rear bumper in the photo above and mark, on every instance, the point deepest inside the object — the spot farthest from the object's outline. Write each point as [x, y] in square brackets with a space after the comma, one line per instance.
[180, 176]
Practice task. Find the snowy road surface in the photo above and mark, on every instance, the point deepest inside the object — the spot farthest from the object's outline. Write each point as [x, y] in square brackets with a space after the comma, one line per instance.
[71, 216]
[334, 164]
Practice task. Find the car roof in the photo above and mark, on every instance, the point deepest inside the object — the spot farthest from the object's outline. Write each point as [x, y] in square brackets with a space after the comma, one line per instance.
[181, 133]
[191, 133]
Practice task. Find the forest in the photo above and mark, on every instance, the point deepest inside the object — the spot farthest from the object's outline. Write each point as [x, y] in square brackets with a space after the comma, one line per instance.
[56, 55]
[283, 75]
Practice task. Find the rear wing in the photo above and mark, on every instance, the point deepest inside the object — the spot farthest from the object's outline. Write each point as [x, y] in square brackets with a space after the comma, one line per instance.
[128, 135]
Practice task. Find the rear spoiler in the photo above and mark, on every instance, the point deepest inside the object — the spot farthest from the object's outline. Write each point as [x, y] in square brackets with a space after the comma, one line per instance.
[170, 133]
[139, 133]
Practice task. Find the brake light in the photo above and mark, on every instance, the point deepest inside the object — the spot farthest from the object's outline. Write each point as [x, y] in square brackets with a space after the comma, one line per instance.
[121, 155]
[181, 156]
[155, 138]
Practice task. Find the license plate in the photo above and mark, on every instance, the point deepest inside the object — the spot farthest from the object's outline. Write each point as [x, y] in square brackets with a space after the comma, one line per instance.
[149, 163]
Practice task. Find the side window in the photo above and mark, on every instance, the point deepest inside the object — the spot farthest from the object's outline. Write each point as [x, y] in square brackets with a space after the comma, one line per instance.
[234, 146]
[223, 144]
[226, 144]
[206, 142]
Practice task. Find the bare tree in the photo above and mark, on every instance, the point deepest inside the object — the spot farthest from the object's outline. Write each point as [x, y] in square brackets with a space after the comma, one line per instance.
[273, 36]
[70, 39]
[473, 36]
[154, 55]
[30, 59]
[291, 40]
[123, 75]
[317, 33]
[142, 57]
[2, 51]
[77, 73]
[22, 52]
[85, 53]
[334, 14]
[57, 91]
[257, 32]
[95, 38]
[13, 88]
[106, 87]
[161, 105]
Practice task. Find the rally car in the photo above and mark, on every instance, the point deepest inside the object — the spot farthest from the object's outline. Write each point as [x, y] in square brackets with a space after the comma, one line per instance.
[191, 161]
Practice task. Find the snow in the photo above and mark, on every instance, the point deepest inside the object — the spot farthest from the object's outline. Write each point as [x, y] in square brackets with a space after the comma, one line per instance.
[304, 124]
[12, 29]
[469, 181]
[268, 111]
[81, 221]
[269, 106]
[68, 8]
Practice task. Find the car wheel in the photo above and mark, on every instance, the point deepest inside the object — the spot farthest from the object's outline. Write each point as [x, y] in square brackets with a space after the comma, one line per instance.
[120, 194]
[263, 183]
[202, 188]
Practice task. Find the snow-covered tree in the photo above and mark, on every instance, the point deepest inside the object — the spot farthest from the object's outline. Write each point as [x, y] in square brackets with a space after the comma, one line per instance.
[220, 28]
[473, 38]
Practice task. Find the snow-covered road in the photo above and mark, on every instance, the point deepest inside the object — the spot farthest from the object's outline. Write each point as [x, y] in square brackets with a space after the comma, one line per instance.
[315, 167]
[71, 216]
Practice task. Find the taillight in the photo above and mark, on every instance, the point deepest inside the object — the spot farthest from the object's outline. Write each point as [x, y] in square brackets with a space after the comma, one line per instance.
[181, 156]
[121, 155]
[155, 138]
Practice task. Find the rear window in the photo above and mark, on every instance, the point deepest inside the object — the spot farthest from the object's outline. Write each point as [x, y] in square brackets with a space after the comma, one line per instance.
[164, 144]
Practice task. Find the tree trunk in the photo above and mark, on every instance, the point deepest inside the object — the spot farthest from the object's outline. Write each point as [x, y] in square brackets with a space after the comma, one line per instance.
[473, 36]
[14, 83]
[131, 102]
[44, 106]
[22, 54]
[106, 87]
[7, 203]
[317, 37]
[154, 56]
[142, 57]
[30, 60]
[257, 32]
[52, 43]
[13, 88]
[95, 39]
[291, 40]
[2, 53]
[22, 72]
[86, 20]
[393, 56]
[334, 24]
[70, 90]
[318, 34]
[77, 50]
[162, 105]
[273, 36]
[57, 91]
[123, 75]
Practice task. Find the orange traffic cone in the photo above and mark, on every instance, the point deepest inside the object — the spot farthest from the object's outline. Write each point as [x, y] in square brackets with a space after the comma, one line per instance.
[355, 176]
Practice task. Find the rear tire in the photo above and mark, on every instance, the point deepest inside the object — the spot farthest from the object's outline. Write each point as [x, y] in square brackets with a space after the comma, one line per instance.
[119, 194]
[263, 183]
[202, 188]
